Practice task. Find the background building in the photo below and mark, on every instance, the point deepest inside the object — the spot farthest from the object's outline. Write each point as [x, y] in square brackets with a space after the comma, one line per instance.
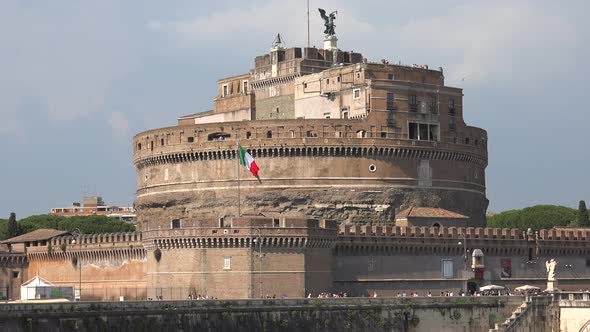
[94, 205]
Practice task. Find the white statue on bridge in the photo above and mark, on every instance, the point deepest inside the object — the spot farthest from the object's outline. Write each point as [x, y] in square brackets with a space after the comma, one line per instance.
[550, 265]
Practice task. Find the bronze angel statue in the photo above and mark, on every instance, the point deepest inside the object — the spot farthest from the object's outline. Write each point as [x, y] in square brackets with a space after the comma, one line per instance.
[328, 21]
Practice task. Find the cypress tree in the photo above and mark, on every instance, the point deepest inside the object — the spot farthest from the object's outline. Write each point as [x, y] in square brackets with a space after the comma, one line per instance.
[582, 215]
[12, 227]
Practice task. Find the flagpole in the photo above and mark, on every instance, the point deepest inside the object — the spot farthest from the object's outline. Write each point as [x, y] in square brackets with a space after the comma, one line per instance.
[238, 155]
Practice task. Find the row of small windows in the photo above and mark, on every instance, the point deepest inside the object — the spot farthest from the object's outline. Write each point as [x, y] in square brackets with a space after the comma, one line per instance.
[413, 103]
[416, 131]
[225, 91]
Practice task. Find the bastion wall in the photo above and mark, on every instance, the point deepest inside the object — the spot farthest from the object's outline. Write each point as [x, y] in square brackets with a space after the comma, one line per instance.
[191, 172]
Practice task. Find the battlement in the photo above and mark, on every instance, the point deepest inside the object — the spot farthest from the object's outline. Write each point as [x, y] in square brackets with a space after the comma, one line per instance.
[214, 139]
[462, 232]
[93, 247]
[242, 232]
[98, 239]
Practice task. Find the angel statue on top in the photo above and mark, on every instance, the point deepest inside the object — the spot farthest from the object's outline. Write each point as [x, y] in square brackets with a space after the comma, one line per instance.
[328, 21]
[550, 265]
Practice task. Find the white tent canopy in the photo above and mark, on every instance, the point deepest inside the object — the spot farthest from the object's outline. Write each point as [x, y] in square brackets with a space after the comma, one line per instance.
[27, 289]
[527, 288]
[491, 287]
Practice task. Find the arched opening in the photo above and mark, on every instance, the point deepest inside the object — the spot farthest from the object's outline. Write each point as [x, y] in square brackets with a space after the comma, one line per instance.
[218, 136]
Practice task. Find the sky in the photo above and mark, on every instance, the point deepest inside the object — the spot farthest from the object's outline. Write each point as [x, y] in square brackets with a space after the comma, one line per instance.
[79, 78]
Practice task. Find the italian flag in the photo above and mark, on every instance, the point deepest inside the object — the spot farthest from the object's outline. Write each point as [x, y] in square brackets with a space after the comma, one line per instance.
[247, 160]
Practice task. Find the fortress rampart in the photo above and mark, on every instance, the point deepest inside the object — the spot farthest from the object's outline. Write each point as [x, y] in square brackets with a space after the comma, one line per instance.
[101, 262]
[371, 171]
[296, 256]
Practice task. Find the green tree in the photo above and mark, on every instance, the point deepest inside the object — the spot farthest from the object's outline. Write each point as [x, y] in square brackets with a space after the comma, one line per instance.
[582, 217]
[12, 227]
[534, 217]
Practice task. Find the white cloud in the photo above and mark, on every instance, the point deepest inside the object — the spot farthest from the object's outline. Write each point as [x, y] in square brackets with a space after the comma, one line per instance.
[249, 24]
[490, 40]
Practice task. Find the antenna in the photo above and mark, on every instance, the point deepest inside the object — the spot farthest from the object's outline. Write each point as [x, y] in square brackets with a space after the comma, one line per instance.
[307, 23]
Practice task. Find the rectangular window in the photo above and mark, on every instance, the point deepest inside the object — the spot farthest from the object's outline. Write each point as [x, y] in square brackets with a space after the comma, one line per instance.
[452, 105]
[175, 223]
[224, 90]
[390, 105]
[245, 83]
[433, 102]
[413, 131]
[452, 123]
[227, 262]
[357, 93]
[190, 139]
[423, 131]
[15, 274]
[390, 76]
[447, 268]
[326, 115]
[413, 103]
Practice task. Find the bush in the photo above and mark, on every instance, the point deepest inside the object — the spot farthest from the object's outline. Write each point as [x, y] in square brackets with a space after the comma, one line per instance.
[86, 224]
[534, 217]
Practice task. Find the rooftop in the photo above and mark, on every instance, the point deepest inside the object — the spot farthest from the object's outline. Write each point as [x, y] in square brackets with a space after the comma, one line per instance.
[426, 212]
[36, 235]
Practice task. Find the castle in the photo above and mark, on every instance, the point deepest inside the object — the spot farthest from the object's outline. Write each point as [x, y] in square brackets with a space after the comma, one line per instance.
[370, 181]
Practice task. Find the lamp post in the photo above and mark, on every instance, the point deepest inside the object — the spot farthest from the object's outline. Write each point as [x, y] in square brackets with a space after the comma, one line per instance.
[464, 243]
[258, 241]
[77, 235]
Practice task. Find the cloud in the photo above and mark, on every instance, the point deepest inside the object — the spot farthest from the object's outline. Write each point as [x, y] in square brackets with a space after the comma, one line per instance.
[244, 24]
[493, 40]
[119, 126]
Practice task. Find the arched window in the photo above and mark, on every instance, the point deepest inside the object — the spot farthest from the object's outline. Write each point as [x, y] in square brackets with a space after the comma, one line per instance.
[360, 134]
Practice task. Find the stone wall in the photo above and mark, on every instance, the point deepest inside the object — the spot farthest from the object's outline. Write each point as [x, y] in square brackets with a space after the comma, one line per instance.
[348, 314]
[13, 273]
[112, 265]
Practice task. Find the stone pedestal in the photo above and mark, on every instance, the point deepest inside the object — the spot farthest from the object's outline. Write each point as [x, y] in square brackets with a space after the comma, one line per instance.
[552, 285]
[331, 44]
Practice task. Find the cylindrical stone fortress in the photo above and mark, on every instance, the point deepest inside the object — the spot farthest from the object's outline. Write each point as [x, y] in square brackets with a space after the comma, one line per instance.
[334, 136]
[188, 173]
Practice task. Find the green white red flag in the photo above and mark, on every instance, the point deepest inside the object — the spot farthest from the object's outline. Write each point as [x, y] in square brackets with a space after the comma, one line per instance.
[247, 160]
